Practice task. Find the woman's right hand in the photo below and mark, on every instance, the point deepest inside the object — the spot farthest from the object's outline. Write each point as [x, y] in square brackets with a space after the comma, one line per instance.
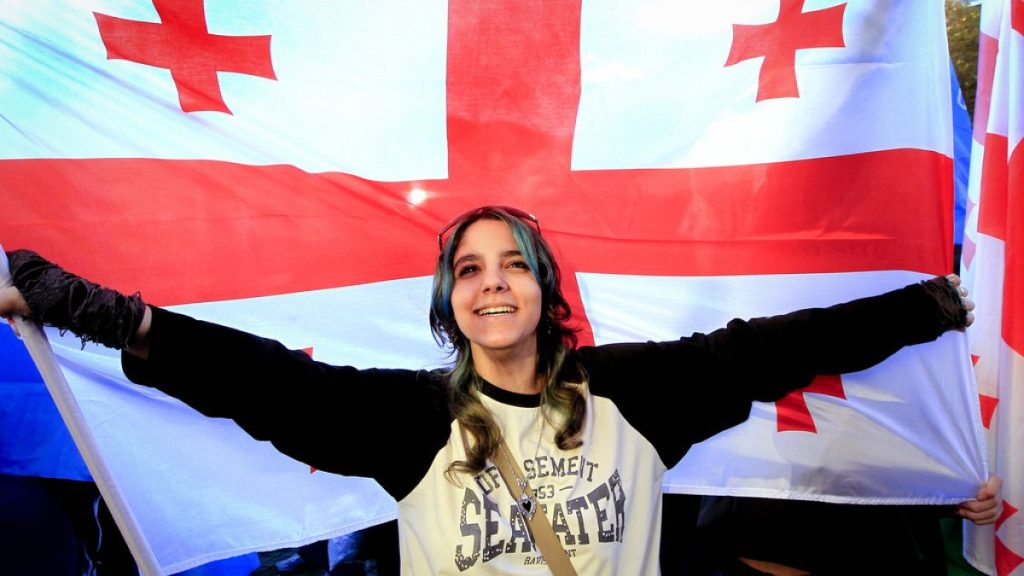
[11, 300]
[33, 285]
[12, 303]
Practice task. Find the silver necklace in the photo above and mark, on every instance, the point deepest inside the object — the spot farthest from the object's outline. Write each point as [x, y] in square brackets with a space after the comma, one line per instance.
[526, 502]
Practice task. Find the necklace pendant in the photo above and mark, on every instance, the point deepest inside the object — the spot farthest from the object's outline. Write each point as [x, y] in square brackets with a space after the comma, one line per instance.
[526, 503]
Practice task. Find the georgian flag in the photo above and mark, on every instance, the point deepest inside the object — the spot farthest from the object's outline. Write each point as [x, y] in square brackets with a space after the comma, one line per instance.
[284, 170]
[994, 271]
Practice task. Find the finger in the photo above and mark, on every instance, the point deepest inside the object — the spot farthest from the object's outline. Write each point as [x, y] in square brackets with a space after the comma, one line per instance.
[980, 511]
[983, 517]
[965, 302]
[991, 488]
[979, 506]
[980, 518]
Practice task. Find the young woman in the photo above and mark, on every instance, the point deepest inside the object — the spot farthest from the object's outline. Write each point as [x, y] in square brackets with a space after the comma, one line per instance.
[593, 429]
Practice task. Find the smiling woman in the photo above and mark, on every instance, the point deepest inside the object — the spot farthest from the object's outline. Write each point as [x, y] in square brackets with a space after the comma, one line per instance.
[497, 293]
[524, 426]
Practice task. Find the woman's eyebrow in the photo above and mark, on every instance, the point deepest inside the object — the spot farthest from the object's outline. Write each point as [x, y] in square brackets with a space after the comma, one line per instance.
[473, 256]
[470, 257]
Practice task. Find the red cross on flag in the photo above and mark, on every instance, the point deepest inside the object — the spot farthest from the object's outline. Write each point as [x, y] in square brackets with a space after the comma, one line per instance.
[994, 271]
[285, 170]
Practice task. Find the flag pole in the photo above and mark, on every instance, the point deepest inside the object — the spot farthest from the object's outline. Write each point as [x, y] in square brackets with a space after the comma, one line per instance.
[42, 355]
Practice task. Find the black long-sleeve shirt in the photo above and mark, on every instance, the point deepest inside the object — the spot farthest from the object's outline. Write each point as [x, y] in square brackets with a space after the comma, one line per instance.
[647, 404]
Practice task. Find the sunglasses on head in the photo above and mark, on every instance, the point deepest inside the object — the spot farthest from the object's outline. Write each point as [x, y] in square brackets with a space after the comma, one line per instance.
[516, 212]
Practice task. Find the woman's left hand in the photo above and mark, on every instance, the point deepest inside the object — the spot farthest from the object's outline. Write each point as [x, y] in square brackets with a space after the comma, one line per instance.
[986, 506]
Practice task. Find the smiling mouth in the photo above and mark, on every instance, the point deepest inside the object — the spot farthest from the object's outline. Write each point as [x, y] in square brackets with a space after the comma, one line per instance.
[496, 311]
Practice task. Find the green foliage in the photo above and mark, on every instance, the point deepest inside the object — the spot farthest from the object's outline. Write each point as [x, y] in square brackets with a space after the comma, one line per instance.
[962, 25]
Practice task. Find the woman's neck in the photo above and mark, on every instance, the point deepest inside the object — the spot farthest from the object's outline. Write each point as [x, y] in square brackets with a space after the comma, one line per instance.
[515, 374]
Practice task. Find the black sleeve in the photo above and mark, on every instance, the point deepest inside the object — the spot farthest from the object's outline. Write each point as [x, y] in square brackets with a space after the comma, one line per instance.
[335, 418]
[681, 392]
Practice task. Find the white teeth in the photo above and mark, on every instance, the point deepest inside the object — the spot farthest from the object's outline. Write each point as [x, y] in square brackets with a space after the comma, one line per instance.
[497, 310]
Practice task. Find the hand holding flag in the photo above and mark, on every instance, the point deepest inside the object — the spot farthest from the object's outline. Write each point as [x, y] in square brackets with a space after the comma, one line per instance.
[968, 304]
[987, 506]
[12, 304]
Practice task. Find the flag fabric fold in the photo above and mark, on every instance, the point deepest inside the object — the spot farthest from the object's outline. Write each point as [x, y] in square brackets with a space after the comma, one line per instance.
[992, 261]
[285, 171]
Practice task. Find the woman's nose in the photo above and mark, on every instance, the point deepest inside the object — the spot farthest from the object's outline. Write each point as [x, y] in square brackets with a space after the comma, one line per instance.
[494, 281]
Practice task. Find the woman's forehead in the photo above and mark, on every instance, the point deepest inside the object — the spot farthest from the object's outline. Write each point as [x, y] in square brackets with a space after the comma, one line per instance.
[486, 233]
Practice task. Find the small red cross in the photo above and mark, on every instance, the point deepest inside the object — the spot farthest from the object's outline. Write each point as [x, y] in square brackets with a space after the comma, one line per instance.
[182, 44]
[778, 42]
[792, 411]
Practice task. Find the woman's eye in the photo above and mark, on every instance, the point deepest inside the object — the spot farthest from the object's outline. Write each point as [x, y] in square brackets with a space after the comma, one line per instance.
[519, 264]
[466, 270]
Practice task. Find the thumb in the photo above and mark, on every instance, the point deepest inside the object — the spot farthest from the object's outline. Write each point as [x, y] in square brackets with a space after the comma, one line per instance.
[991, 488]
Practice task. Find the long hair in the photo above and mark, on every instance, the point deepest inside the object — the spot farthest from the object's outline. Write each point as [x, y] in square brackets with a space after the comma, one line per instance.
[555, 342]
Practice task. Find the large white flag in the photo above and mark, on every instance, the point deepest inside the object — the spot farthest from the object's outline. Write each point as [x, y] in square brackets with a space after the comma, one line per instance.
[995, 273]
[284, 169]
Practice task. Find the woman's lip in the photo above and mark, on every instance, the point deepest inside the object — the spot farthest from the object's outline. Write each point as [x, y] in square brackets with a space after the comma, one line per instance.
[495, 310]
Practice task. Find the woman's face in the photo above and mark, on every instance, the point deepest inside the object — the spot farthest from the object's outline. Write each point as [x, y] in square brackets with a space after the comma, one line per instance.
[495, 298]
